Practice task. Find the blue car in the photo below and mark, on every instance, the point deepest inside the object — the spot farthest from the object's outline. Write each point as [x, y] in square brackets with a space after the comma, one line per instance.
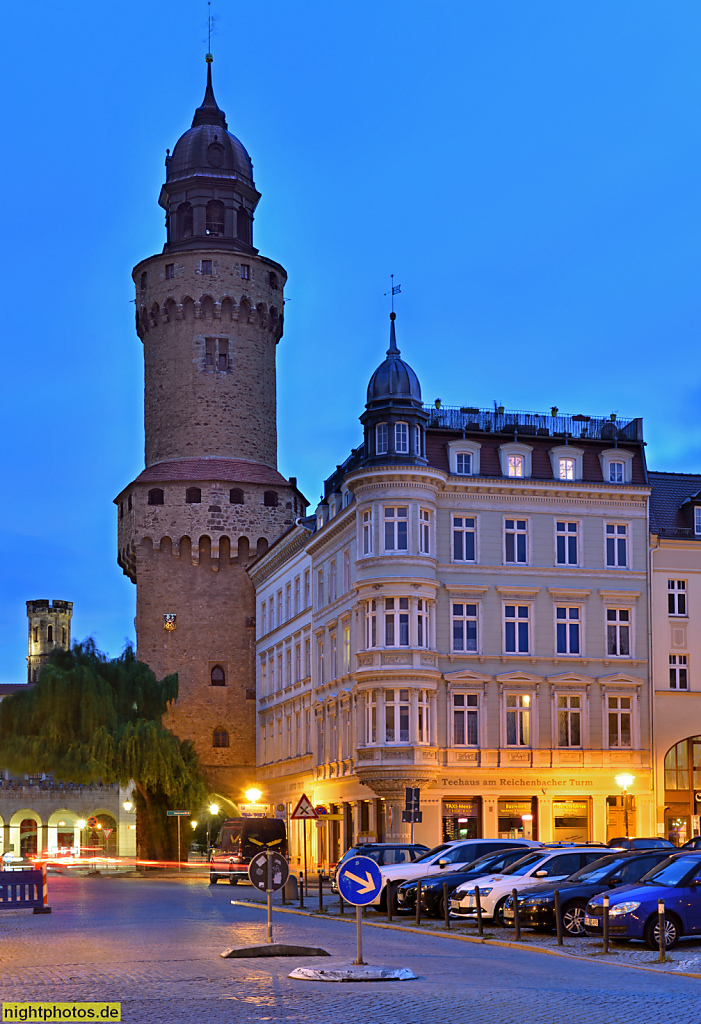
[633, 908]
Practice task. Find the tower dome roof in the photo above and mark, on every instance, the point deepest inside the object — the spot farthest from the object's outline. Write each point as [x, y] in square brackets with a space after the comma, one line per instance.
[393, 378]
[208, 145]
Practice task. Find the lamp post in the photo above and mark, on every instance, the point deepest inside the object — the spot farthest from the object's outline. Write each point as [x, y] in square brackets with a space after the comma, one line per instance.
[213, 811]
[81, 823]
[625, 781]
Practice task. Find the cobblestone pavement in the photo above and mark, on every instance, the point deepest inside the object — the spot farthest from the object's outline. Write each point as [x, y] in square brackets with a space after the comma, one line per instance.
[154, 945]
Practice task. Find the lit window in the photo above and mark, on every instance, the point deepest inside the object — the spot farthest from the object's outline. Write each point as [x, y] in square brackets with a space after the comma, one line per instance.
[463, 463]
[619, 721]
[616, 472]
[569, 721]
[676, 597]
[567, 469]
[464, 532]
[616, 545]
[518, 719]
[465, 720]
[517, 620]
[567, 537]
[515, 541]
[381, 439]
[464, 627]
[514, 465]
[396, 529]
[678, 672]
[567, 630]
[401, 438]
[618, 632]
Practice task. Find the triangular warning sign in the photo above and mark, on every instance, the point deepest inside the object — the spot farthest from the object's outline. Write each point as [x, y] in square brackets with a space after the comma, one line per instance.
[304, 808]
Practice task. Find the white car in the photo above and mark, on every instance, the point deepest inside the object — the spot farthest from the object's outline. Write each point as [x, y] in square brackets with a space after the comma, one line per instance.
[447, 857]
[553, 865]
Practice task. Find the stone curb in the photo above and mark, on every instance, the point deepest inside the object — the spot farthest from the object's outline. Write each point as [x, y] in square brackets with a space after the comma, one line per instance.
[471, 938]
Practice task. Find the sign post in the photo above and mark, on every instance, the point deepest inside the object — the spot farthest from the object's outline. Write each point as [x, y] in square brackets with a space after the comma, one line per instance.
[305, 812]
[178, 815]
[268, 871]
[411, 812]
[359, 881]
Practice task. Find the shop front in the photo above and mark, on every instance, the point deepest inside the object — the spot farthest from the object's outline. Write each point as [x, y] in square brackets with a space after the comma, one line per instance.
[462, 819]
[517, 819]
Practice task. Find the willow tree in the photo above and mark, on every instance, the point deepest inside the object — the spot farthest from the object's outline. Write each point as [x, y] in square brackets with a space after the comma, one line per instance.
[90, 718]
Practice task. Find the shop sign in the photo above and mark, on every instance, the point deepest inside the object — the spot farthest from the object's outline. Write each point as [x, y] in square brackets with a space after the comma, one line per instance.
[468, 808]
[515, 807]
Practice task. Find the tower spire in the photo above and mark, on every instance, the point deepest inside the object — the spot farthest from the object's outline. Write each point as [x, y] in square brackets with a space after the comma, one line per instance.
[209, 112]
[392, 350]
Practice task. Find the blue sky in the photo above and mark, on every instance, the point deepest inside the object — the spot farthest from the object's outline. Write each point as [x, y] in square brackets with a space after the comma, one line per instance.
[529, 171]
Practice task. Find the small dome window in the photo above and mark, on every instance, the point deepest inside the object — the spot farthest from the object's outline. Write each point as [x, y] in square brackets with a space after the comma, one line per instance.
[193, 496]
[270, 499]
[217, 676]
[155, 496]
[236, 496]
[243, 225]
[214, 223]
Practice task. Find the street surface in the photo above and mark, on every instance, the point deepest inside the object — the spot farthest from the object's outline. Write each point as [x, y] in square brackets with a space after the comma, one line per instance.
[154, 946]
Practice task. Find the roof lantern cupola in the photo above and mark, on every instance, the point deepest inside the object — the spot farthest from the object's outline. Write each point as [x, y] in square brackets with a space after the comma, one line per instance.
[394, 417]
[209, 194]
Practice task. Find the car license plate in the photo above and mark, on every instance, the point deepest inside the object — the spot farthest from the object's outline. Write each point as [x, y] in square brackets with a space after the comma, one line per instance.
[591, 922]
[508, 912]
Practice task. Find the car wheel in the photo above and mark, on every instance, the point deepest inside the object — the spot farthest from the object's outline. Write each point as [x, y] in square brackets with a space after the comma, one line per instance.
[652, 932]
[213, 879]
[573, 918]
[233, 880]
[498, 916]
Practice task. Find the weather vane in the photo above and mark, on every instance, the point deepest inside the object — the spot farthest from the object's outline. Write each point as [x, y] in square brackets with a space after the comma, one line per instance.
[209, 26]
[394, 290]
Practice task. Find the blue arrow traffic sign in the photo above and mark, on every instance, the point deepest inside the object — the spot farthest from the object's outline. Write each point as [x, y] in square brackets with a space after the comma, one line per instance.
[359, 881]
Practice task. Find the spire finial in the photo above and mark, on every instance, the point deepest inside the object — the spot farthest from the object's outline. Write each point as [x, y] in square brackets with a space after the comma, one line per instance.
[392, 350]
[209, 112]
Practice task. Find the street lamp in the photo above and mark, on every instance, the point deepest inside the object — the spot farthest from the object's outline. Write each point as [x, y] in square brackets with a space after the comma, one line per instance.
[127, 805]
[625, 781]
[213, 811]
[253, 795]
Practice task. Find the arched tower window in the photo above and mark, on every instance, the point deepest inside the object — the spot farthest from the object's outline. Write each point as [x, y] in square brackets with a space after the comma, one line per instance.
[272, 277]
[50, 634]
[243, 225]
[144, 279]
[236, 496]
[184, 216]
[215, 217]
[270, 499]
[217, 676]
[193, 495]
[220, 738]
[155, 496]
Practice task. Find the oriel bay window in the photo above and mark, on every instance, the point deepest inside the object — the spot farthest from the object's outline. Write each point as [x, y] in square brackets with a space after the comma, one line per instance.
[465, 719]
[389, 715]
[422, 623]
[396, 716]
[396, 622]
[396, 528]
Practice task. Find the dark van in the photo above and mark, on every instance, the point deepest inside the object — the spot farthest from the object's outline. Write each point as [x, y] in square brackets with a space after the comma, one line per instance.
[240, 839]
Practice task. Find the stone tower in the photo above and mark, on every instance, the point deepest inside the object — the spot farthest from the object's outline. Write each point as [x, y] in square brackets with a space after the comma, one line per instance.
[210, 499]
[49, 628]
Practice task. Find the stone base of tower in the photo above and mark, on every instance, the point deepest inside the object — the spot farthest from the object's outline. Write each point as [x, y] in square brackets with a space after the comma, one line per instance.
[196, 617]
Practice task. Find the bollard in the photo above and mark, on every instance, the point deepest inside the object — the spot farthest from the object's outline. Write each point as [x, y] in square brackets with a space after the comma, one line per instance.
[606, 924]
[517, 918]
[341, 903]
[446, 908]
[321, 894]
[661, 926]
[389, 892]
[558, 917]
[301, 891]
[418, 902]
[478, 904]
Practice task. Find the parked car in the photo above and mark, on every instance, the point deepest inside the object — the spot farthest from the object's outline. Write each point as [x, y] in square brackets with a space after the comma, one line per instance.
[381, 853]
[633, 908]
[495, 889]
[240, 839]
[536, 904]
[432, 885]
[448, 856]
[641, 843]
[692, 844]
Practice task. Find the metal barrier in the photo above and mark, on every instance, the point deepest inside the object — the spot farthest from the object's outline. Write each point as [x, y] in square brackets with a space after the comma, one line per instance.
[20, 890]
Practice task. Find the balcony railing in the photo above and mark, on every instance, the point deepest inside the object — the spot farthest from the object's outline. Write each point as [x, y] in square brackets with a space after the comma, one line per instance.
[533, 424]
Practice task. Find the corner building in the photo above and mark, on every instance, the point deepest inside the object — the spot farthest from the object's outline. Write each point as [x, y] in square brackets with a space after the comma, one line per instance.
[209, 312]
[467, 613]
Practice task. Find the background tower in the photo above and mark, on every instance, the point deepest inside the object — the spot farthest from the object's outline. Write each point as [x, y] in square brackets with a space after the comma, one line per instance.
[209, 314]
[49, 628]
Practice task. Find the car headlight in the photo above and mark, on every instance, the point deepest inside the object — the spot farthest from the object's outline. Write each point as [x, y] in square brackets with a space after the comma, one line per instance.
[624, 908]
[536, 901]
[486, 892]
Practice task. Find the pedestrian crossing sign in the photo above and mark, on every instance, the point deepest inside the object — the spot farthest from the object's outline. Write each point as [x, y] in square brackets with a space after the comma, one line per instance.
[304, 808]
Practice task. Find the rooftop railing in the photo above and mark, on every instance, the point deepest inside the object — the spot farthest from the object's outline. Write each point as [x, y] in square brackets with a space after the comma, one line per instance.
[532, 424]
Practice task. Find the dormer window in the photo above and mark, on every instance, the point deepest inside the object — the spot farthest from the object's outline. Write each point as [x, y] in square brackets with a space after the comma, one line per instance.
[464, 457]
[566, 469]
[463, 463]
[514, 465]
[401, 438]
[381, 439]
[616, 466]
[616, 470]
[697, 520]
[515, 459]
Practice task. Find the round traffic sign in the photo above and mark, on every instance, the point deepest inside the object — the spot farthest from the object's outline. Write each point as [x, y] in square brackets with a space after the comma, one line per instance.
[92, 821]
[359, 881]
[258, 871]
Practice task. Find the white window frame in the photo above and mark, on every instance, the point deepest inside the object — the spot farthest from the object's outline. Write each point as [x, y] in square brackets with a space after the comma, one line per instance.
[395, 520]
[569, 452]
[517, 620]
[677, 597]
[401, 437]
[463, 463]
[425, 530]
[471, 706]
[464, 617]
[423, 623]
[372, 620]
[566, 534]
[568, 621]
[381, 439]
[464, 447]
[366, 532]
[395, 616]
[424, 723]
[679, 672]
[371, 717]
[618, 712]
[401, 706]
[522, 711]
[616, 536]
[345, 627]
[517, 531]
[618, 623]
[346, 571]
[569, 711]
[463, 530]
[616, 455]
[333, 580]
[513, 448]
[697, 520]
[320, 587]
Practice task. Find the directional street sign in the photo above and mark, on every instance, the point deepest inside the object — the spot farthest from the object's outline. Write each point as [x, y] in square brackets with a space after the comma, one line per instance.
[304, 809]
[178, 814]
[359, 881]
[258, 871]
